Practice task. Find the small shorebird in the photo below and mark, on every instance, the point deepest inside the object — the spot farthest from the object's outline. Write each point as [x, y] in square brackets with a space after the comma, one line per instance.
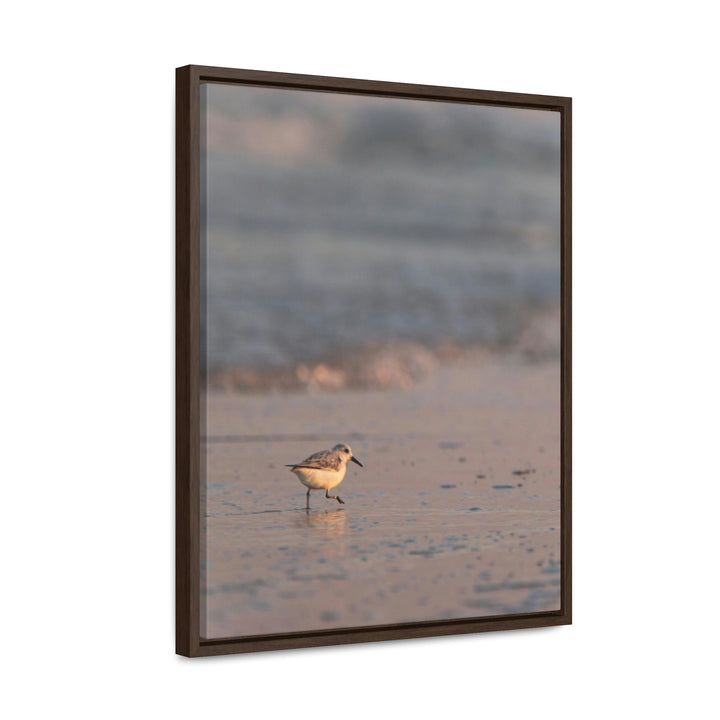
[324, 470]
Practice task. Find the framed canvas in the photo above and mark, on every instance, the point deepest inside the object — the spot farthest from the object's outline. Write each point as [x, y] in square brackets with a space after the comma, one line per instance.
[373, 361]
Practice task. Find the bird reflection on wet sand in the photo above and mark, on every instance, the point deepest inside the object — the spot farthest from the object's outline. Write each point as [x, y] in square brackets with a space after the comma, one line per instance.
[327, 523]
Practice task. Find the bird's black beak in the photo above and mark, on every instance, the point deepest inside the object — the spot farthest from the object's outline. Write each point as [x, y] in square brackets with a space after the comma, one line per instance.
[356, 461]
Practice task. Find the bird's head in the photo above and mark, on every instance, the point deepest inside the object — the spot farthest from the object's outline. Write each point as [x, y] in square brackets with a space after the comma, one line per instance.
[346, 452]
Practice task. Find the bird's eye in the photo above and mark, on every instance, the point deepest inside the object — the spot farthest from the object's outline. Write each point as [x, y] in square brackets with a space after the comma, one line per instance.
[346, 450]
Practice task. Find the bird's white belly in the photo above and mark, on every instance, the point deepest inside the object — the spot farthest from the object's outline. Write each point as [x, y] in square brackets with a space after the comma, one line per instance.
[319, 479]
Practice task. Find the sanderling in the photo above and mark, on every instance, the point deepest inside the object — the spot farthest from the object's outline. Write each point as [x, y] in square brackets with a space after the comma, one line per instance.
[324, 470]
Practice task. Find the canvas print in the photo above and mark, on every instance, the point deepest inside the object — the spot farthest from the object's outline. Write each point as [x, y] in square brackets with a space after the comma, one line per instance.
[381, 346]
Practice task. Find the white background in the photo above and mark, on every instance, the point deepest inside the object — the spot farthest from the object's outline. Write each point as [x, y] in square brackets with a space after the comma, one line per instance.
[87, 362]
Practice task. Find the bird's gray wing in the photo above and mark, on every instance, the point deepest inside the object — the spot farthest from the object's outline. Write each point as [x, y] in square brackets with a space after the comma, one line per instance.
[323, 460]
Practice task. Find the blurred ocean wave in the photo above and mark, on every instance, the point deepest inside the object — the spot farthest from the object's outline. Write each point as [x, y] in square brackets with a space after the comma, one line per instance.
[390, 364]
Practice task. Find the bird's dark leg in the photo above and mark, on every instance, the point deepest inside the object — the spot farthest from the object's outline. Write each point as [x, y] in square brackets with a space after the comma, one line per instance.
[334, 497]
[307, 500]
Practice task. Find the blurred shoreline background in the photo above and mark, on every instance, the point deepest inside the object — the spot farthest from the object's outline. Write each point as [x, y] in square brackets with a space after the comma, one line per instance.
[359, 242]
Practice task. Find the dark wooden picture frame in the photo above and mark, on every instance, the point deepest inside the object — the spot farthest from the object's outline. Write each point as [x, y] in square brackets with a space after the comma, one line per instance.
[188, 368]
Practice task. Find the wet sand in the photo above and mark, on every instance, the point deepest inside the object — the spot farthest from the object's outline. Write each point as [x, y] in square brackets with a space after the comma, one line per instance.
[456, 513]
